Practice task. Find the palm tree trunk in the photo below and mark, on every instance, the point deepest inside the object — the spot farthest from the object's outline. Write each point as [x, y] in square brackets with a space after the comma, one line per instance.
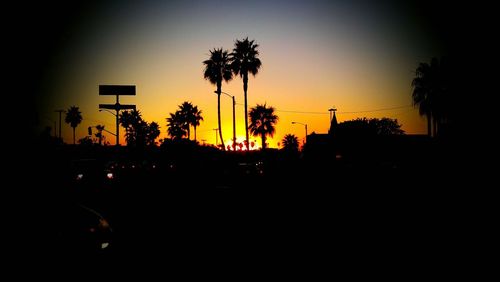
[189, 132]
[218, 115]
[429, 127]
[245, 87]
[194, 132]
[263, 141]
[435, 125]
[74, 136]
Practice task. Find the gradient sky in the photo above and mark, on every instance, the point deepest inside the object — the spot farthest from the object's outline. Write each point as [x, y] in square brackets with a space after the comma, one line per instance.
[357, 56]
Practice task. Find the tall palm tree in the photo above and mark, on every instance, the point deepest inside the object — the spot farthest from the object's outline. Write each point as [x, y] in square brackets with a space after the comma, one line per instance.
[73, 118]
[196, 119]
[428, 92]
[262, 122]
[244, 60]
[290, 143]
[217, 69]
[175, 126]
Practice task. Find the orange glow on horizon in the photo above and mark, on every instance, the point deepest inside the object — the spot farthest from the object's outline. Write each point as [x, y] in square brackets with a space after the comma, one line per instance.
[307, 68]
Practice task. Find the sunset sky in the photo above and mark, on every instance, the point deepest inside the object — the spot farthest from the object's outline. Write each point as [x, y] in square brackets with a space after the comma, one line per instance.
[358, 56]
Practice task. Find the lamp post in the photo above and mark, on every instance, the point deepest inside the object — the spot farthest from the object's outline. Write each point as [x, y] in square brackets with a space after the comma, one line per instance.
[234, 117]
[296, 122]
[117, 125]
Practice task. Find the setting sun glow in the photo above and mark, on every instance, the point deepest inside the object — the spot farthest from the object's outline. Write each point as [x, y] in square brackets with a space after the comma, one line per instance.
[315, 55]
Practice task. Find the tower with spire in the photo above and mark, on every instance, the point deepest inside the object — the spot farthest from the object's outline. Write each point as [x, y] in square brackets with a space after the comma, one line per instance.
[333, 122]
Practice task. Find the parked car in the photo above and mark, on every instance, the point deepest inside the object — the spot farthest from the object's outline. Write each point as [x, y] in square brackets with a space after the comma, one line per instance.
[83, 229]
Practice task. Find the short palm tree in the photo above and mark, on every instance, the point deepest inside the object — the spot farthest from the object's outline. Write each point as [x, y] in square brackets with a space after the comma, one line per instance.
[244, 60]
[218, 69]
[187, 112]
[100, 129]
[197, 117]
[262, 122]
[176, 126]
[132, 122]
[153, 133]
[290, 143]
[73, 118]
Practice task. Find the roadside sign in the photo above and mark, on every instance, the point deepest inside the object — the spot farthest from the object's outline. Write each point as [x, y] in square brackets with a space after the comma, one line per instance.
[116, 89]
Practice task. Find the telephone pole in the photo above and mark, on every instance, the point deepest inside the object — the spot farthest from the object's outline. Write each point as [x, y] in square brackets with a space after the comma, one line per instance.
[117, 90]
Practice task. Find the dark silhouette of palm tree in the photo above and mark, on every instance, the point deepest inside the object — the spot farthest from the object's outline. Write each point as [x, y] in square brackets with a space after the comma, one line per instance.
[429, 91]
[100, 129]
[132, 122]
[187, 112]
[176, 126]
[153, 133]
[243, 61]
[138, 132]
[290, 143]
[73, 118]
[196, 119]
[217, 69]
[262, 122]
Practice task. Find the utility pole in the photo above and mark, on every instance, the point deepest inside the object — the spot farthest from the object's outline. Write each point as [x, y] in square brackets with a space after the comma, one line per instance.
[60, 113]
[117, 90]
[234, 126]
[234, 115]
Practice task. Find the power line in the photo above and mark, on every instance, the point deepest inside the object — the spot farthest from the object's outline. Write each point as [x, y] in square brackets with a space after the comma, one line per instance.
[301, 112]
[377, 110]
[351, 112]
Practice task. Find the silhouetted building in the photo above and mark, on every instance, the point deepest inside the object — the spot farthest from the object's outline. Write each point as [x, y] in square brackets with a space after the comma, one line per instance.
[358, 146]
[333, 126]
[323, 143]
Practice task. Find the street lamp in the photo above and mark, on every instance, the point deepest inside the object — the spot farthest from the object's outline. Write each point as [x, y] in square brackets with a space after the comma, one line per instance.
[117, 125]
[234, 117]
[104, 110]
[296, 122]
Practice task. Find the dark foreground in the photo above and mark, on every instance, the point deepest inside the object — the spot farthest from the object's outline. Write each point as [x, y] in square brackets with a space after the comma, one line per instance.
[290, 209]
